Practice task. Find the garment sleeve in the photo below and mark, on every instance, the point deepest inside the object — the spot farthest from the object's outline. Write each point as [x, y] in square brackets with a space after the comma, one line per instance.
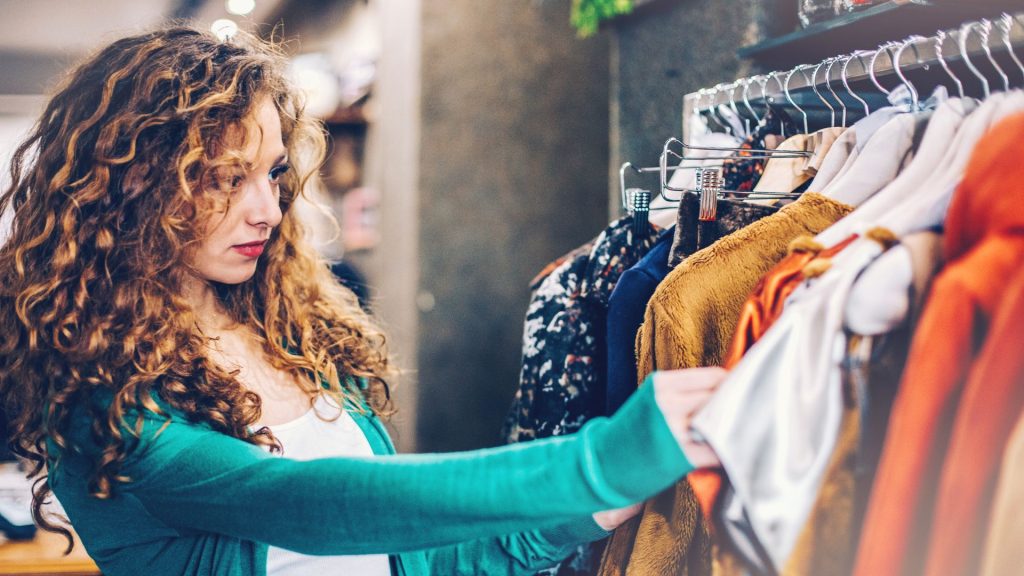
[193, 478]
[520, 554]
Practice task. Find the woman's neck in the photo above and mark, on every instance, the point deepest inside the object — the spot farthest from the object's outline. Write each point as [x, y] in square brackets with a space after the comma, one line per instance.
[208, 311]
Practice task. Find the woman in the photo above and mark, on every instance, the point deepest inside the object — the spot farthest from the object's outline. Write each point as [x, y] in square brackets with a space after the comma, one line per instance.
[164, 328]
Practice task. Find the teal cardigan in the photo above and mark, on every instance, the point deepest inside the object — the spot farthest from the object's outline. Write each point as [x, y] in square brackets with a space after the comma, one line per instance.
[203, 503]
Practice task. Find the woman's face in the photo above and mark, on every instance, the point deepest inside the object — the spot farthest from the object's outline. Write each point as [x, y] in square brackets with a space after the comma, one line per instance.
[235, 238]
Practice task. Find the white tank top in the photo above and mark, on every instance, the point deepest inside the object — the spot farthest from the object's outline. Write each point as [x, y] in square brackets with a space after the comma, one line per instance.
[314, 435]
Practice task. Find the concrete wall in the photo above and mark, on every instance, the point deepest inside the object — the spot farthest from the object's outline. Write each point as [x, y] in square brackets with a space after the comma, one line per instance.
[669, 48]
[513, 162]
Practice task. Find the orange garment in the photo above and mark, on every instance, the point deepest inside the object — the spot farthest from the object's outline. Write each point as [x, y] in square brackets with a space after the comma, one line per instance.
[961, 393]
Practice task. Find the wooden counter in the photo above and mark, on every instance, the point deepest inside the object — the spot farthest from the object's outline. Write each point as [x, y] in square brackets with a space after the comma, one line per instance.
[45, 555]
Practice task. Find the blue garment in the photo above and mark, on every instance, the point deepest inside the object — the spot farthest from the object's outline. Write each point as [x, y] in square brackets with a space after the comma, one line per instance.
[625, 315]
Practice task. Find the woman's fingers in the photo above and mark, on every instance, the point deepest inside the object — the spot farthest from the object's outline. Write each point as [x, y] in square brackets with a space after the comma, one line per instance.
[680, 394]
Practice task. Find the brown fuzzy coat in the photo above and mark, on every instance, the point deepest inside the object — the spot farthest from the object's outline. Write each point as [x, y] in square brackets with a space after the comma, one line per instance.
[689, 322]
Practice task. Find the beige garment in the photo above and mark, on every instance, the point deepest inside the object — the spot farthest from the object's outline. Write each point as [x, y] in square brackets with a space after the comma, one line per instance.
[824, 140]
[833, 163]
[789, 174]
[689, 322]
[1004, 548]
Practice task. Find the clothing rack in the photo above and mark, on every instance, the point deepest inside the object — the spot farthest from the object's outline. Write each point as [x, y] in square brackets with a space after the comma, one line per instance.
[960, 58]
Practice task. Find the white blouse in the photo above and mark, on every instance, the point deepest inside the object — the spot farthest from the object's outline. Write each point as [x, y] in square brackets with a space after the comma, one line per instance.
[325, 431]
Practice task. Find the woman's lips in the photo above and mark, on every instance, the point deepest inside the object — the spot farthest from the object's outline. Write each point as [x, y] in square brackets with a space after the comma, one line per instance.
[251, 249]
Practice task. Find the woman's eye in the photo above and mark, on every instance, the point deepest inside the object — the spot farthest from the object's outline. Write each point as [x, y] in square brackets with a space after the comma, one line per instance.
[277, 172]
[237, 181]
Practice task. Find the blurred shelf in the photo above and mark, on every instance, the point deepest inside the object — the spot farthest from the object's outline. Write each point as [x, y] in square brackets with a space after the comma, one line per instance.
[867, 28]
[353, 116]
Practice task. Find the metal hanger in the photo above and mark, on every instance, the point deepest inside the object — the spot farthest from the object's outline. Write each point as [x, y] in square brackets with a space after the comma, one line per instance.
[846, 84]
[746, 99]
[1006, 23]
[871, 66]
[774, 75]
[986, 27]
[940, 37]
[785, 89]
[735, 109]
[964, 32]
[814, 87]
[912, 42]
[710, 115]
[828, 85]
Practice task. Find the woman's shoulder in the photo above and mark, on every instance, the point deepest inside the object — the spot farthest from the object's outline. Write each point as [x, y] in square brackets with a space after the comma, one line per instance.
[138, 425]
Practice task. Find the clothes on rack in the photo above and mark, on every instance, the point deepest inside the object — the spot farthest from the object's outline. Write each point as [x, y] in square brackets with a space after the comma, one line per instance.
[625, 314]
[563, 378]
[693, 234]
[871, 323]
[689, 323]
[961, 395]
[742, 171]
[793, 366]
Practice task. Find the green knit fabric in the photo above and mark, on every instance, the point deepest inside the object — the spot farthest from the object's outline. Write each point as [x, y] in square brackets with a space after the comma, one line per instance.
[203, 503]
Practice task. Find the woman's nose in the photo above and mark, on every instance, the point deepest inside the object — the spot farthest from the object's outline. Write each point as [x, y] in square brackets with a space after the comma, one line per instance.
[265, 207]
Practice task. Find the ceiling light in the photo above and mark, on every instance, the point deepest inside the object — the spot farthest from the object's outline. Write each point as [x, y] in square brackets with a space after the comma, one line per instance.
[241, 7]
[224, 28]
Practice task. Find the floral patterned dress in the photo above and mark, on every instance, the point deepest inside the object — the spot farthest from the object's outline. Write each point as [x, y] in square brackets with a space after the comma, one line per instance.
[563, 378]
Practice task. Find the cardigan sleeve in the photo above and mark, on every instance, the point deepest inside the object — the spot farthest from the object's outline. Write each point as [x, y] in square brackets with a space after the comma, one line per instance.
[520, 554]
[193, 478]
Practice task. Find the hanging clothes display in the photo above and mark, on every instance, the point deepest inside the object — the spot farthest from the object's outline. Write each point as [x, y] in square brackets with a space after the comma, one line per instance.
[563, 378]
[950, 365]
[625, 314]
[689, 323]
[863, 285]
[562, 381]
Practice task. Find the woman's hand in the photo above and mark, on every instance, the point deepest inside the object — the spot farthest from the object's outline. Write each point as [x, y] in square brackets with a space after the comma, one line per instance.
[680, 394]
[611, 519]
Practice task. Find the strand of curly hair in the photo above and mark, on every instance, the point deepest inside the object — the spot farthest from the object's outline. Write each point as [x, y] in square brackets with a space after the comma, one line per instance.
[105, 195]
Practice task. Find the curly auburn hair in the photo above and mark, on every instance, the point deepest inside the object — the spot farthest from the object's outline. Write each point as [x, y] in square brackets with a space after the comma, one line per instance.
[108, 196]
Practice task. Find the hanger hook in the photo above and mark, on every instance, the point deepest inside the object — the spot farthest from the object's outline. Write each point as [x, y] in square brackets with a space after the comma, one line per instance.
[746, 98]
[986, 29]
[846, 84]
[732, 104]
[714, 109]
[762, 81]
[940, 37]
[785, 88]
[711, 93]
[814, 86]
[965, 32]
[774, 75]
[899, 69]
[1006, 23]
[871, 68]
[828, 86]
[732, 96]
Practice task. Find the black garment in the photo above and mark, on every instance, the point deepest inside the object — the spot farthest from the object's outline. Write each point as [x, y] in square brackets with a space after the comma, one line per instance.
[693, 235]
[562, 382]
